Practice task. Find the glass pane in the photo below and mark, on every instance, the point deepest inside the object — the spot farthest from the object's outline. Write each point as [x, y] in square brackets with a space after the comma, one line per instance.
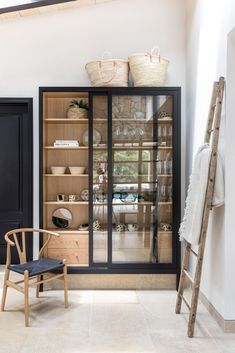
[100, 179]
[163, 245]
[140, 124]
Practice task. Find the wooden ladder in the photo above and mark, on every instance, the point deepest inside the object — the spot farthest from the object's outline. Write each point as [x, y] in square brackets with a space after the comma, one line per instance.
[211, 137]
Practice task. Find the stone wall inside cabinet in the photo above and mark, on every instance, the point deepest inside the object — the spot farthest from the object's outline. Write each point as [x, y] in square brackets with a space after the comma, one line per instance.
[129, 107]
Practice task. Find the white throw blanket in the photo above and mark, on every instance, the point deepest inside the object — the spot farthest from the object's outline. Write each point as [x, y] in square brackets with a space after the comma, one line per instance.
[191, 224]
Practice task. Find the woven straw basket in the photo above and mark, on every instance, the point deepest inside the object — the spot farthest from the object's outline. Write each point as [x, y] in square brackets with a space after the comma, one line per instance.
[108, 72]
[148, 69]
[77, 113]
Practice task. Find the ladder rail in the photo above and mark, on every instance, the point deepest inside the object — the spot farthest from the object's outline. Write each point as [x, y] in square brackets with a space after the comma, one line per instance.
[212, 137]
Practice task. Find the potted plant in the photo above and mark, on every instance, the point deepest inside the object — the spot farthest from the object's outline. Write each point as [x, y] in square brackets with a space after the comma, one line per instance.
[77, 110]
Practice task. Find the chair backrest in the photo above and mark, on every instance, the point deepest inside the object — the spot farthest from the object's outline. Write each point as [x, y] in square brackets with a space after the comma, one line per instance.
[13, 239]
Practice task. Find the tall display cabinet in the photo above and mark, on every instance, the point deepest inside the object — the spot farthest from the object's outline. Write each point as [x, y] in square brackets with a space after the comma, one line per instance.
[120, 212]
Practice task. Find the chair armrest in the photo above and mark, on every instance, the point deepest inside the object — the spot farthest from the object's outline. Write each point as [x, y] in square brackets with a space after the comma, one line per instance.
[46, 232]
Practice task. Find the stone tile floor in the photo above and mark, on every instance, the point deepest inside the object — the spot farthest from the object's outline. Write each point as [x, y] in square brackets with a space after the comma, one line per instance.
[107, 321]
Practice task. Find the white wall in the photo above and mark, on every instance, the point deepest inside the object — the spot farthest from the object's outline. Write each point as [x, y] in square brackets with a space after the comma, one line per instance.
[52, 49]
[209, 22]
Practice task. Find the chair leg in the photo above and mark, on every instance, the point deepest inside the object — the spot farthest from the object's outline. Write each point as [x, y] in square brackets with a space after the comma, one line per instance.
[38, 286]
[66, 304]
[5, 286]
[26, 297]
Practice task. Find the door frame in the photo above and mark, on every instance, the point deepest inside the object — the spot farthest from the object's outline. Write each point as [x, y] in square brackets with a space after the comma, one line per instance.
[29, 102]
[136, 267]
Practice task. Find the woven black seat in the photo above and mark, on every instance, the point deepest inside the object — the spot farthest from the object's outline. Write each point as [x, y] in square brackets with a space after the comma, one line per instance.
[37, 267]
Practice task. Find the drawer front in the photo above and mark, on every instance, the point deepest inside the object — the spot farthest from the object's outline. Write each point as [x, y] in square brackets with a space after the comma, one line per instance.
[69, 241]
[71, 256]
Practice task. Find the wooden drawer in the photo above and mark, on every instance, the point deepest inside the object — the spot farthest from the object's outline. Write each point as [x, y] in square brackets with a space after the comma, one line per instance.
[71, 256]
[69, 241]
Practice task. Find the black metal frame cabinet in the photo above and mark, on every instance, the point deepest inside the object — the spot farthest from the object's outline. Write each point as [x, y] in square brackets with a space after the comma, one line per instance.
[110, 266]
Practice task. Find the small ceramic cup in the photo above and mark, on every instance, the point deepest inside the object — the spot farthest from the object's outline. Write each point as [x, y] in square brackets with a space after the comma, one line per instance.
[165, 227]
[61, 198]
[72, 198]
[132, 227]
[120, 227]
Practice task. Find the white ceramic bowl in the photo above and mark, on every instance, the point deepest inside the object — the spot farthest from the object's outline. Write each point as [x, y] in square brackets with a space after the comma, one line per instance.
[77, 170]
[58, 170]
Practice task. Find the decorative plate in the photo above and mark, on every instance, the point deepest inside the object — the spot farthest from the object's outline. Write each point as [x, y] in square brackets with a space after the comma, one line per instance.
[96, 137]
[84, 195]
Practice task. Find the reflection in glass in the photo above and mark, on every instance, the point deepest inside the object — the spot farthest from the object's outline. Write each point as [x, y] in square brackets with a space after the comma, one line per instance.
[100, 179]
[142, 182]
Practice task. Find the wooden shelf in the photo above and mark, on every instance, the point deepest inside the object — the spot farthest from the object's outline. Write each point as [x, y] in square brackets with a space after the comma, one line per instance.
[144, 203]
[77, 121]
[65, 148]
[145, 148]
[141, 121]
[85, 203]
[66, 203]
[67, 230]
[72, 121]
[66, 121]
[139, 175]
[66, 175]
[116, 148]
[100, 121]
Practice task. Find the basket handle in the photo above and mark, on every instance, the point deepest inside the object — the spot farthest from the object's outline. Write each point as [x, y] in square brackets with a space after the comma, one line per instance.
[114, 71]
[157, 54]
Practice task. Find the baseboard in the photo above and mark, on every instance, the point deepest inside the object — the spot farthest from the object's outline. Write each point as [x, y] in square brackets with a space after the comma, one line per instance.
[117, 281]
[226, 325]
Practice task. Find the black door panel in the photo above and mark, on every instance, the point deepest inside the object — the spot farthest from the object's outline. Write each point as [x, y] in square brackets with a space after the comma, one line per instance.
[15, 169]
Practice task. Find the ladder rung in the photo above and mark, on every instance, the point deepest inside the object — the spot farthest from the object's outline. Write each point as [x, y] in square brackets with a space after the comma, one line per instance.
[188, 276]
[193, 252]
[186, 302]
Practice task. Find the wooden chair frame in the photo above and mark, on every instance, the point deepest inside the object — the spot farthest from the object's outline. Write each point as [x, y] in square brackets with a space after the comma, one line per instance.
[26, 281]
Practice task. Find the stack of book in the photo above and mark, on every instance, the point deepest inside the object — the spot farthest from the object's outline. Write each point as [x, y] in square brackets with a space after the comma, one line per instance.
[66, 143]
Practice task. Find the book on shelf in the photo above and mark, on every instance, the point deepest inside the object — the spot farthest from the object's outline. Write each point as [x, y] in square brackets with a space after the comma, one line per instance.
[66, 143]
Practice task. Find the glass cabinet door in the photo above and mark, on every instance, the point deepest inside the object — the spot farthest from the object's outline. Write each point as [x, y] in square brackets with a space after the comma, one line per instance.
[141, 179]
[99, 207]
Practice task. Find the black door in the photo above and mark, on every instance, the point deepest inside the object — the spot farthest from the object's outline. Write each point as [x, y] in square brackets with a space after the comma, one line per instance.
[16, 170]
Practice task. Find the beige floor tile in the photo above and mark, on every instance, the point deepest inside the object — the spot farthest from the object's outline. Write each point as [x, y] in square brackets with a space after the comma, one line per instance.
[117, 320]
[115, 296]
[133, 343]
[12, 340]
[226, 342]
[165, 342]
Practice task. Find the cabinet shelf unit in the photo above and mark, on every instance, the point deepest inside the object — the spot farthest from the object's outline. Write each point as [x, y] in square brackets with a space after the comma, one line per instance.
[131, 158]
